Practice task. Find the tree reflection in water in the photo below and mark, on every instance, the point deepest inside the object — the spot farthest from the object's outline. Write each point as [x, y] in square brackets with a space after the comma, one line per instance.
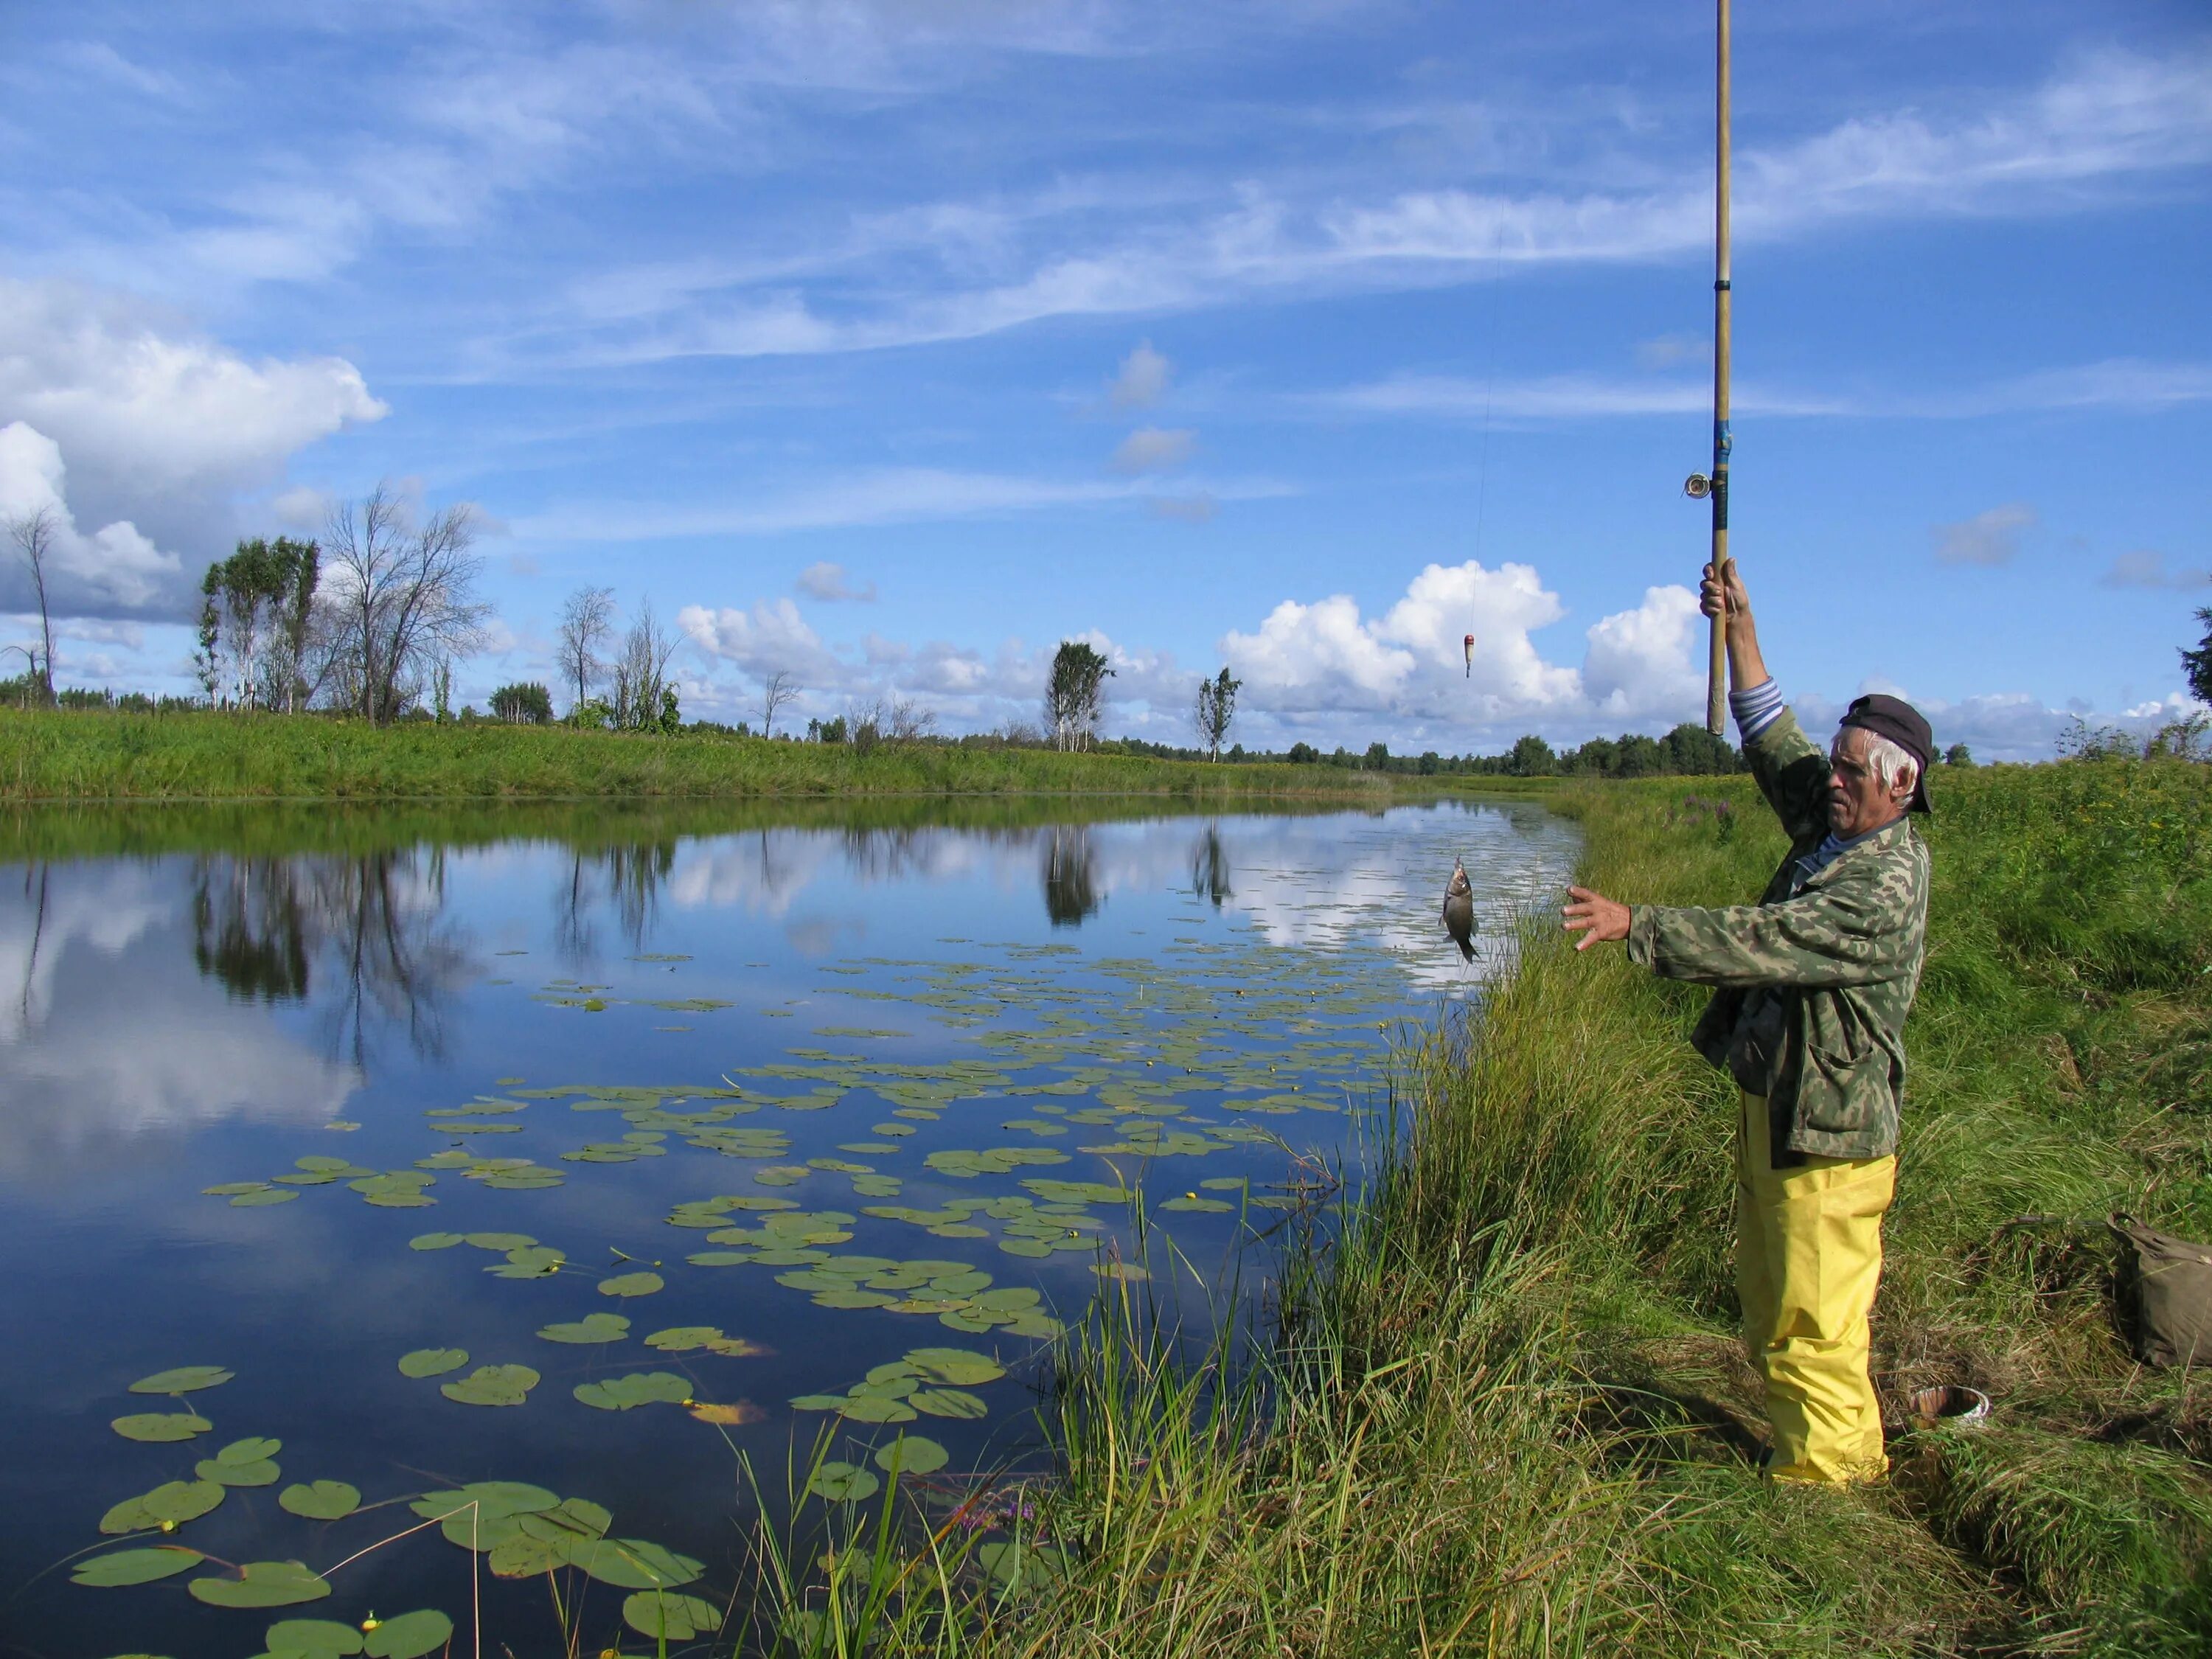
[1209, 867]
[629, 876]
[1070, 888]
[365, 937]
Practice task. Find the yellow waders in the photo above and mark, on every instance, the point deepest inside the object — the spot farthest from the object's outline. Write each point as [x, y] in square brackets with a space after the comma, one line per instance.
[1807, 1258]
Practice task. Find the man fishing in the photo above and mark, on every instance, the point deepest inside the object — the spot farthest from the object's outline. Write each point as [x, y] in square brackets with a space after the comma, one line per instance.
[1812, 987]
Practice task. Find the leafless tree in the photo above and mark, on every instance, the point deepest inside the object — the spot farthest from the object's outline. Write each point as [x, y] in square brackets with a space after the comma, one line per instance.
[33, 536]
[641, 672]
[777, 693]
[586, 621]
[402, 598]
[910, 721]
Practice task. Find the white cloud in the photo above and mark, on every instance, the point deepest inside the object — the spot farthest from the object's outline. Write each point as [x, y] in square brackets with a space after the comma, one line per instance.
[113, 566]
[826, 582]
[1640, 661]
[2145, 568]
[1154, 449]
[1987, 539]
[1143, 377]
[770, 638]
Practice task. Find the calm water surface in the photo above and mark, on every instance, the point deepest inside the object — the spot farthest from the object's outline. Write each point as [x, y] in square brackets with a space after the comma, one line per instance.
[452, 1082]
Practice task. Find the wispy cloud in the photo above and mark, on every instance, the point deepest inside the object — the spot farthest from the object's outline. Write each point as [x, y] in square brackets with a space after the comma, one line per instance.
[2145, 568]
[897, 495]
[1987, 539]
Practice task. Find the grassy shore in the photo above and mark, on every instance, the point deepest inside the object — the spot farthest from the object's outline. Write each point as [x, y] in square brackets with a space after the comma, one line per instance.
[91, 756]
[1505, 1411]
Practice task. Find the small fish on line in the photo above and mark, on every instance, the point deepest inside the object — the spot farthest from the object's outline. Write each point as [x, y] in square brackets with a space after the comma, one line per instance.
[1459, 910]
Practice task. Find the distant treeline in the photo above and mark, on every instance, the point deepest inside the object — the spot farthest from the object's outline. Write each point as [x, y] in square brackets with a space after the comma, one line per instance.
[1688, 751]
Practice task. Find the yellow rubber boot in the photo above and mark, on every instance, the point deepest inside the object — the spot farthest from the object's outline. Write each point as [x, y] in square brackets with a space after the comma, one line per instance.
[1808, 1258]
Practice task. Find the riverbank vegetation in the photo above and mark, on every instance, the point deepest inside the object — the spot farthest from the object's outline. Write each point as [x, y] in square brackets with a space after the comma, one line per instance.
[1505, 1411]
[91, 755]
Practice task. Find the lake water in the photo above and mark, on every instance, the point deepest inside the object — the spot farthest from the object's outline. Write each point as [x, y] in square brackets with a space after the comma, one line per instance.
[293, 1094]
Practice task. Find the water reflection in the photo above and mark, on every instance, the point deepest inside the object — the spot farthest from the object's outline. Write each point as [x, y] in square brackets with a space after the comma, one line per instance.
[1072, 894]
[1209, 867]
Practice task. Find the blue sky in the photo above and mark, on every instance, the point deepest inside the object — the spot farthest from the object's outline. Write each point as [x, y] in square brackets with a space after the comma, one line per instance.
[1304, 338]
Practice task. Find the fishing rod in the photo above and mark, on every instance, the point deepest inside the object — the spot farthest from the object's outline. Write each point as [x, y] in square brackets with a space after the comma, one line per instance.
[1715, 485]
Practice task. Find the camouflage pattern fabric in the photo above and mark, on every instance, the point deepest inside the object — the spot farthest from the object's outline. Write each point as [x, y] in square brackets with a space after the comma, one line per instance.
[1812, 990]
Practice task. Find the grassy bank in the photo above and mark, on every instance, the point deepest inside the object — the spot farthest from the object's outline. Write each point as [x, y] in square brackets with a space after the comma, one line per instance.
[95, 755]
[1506, 1413]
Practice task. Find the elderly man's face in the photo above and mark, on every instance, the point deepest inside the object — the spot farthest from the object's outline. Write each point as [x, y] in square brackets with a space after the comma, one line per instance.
[1856, 800]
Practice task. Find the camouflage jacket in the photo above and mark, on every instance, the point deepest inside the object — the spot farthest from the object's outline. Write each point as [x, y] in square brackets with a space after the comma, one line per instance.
[1815, 980]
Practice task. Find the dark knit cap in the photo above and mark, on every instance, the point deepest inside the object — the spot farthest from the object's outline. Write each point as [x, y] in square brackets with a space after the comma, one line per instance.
[1903, 725]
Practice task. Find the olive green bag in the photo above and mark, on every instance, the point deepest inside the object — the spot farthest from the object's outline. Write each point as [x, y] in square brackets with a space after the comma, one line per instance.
[2165, 1294]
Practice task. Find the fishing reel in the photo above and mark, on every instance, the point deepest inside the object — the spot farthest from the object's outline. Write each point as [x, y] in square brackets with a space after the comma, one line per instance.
[1696, 486]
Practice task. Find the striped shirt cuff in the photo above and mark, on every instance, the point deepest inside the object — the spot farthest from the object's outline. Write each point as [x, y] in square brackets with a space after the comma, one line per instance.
[1756, 707]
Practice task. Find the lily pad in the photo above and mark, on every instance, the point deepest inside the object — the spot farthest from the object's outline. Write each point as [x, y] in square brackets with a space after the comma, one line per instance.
[736, 1412]
[262, 1584]
[161, 1428]
[682, 1339]
[183, 1380]
[634, 1563]
[254, 1448]
[620, 1393]
[311, 1638]
[434, 1240]
[630, 1285]
[173, 1501]
[261, 1196]
[500, 1242]
[663, 1617]
[844, 1483]
[120, 1567]
[258, 1471]
[875, 1408]
[948, 1402]
[409, 1636]
[912, 1454]
[962, 1367]
[591, 1327]
[432, 1362]
[492, 1385]
[320, 1500]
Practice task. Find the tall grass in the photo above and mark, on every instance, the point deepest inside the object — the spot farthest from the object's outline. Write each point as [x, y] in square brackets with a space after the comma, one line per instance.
[1502, 1410]
[93, 756]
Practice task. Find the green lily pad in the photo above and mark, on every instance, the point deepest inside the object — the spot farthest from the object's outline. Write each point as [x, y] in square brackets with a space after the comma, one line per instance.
[173, 1501]
[120, 1567]
[875, 1408]
[630, 1285]
[912, 1454]
[620, 1393]
[682, 1339]
[591, 1327]
[500, 1242]
[962, 1367]
[844, 1483]
[320, 1500]
[492, 1385]
[260, 1472]
[663, 1617]
[262, 1584]
[314, 1638]
[432, 1362]
[948, 1402]
[161, 1428]
[634, 1563]
[183, 1380]
[254, 1448]
[409, 1636]
[531, 1262]
[433, 1241]
[490, 1497]
[261, 1196]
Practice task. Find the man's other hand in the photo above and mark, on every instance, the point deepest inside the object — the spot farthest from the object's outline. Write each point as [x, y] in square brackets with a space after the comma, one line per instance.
[1594, 916]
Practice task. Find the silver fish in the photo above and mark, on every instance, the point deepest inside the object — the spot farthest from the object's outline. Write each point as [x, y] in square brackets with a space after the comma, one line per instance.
[1459, 910]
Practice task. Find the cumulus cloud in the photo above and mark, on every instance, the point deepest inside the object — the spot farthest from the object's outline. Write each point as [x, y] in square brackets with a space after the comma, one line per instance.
[1987, 539]
[1143, 376]
[158, 429]
[2145, 568]
[826, 582]
[770, 638]
[1154, 449]
[112, 566]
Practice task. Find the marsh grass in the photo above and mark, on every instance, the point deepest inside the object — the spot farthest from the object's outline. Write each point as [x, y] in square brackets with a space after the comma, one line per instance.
[1500, 1409]
[61, 756]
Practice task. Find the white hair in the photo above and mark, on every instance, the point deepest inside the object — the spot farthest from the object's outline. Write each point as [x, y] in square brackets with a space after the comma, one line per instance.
[1887, 761]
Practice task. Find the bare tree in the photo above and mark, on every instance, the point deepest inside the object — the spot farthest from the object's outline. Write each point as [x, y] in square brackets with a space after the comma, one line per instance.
[33, 536]
[641, 672]
[776, 693]
[586, 621]
[402, 599]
